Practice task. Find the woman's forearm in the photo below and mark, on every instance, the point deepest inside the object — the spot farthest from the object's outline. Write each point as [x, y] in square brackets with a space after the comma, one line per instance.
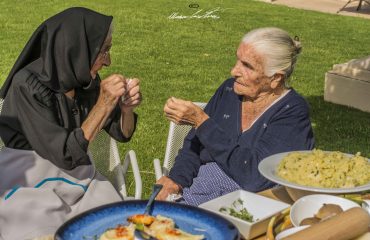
[111, 89]
[94, 122]
[127, 122]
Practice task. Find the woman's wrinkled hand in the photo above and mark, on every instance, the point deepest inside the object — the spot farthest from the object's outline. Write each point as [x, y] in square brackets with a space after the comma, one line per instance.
[111, 90]
[132, 97]
[184, 112]
[169, 187]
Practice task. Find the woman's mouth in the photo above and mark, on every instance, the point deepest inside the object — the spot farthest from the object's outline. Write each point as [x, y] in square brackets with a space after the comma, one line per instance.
[240, 83]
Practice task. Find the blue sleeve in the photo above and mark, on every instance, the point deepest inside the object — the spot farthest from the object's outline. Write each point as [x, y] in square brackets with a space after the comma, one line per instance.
[288, 130]
[188, 162]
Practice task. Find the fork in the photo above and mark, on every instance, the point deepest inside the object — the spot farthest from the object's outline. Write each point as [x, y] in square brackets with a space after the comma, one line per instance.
[156, 189]
[139, 233]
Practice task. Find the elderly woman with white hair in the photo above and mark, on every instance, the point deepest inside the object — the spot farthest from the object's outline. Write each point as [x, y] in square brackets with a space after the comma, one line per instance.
[251, 116]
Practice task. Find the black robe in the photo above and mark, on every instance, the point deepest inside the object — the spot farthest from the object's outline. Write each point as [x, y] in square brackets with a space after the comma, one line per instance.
[36, 114]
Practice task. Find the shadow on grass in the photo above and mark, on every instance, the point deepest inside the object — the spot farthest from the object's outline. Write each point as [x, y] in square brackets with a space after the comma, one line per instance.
[340, 128]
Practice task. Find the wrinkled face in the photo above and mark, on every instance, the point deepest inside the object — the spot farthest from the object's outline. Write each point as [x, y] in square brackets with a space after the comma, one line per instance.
[103, 58]
[250, 80]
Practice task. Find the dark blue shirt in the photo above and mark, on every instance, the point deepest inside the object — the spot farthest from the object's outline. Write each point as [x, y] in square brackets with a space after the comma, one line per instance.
[285, 126]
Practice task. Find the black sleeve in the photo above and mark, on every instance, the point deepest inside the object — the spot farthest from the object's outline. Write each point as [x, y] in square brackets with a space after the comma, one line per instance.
[40, 126]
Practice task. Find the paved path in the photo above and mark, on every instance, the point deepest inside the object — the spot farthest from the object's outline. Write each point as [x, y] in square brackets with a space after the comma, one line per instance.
[328, 6]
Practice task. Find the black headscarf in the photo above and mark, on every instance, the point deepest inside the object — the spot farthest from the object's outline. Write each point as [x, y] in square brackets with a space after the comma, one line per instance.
[62, 50]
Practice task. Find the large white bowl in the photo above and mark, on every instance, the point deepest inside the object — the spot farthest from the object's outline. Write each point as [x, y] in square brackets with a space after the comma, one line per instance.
[268, 168]
[308, 206]
[262, 209]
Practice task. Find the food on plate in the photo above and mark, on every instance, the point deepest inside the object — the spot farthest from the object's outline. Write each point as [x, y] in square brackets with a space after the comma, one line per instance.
[325, 212]
[119, 233]
[328, 210]
[325, 169]
[164, 228]
[356, 197]
[160, 227]
[346, 225]
[237, 210]
[161, 223]
[141, 219]
[309, 221]
[278, 223]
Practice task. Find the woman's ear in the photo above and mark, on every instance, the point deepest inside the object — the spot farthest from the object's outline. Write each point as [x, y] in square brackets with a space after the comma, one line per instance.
[277, 80]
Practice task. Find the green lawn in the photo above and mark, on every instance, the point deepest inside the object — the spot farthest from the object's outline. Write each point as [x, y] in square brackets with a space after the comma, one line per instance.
[190, 58]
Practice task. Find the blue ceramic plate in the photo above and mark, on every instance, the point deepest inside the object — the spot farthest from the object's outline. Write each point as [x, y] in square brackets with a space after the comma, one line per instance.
[91, 224]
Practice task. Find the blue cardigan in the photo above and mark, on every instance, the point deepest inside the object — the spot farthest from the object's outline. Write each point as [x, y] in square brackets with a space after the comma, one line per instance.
[285, 126]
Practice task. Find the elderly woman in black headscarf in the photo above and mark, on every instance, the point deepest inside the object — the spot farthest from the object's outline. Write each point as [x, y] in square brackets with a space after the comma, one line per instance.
[54, 105]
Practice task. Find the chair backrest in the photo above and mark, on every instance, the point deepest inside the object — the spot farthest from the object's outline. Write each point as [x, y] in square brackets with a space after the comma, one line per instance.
[175, 140]
[105, 154]
[100, 152]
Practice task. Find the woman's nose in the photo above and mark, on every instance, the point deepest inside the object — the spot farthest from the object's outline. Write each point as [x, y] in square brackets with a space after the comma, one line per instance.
[235, 71]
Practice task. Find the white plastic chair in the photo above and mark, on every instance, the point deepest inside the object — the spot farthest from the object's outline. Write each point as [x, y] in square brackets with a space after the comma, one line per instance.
[175, 140]
[102, 147]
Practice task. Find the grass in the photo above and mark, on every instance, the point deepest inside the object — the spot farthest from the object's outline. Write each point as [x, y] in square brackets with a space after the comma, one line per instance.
[190, 58]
